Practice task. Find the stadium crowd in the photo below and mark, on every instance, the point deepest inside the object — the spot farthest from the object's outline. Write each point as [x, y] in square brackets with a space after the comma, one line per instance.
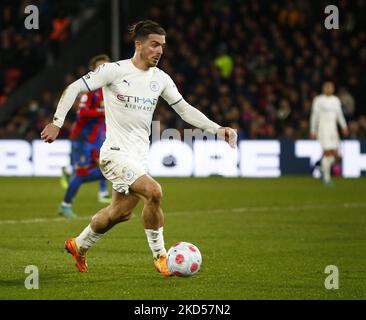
[254, 65]
[25, 52]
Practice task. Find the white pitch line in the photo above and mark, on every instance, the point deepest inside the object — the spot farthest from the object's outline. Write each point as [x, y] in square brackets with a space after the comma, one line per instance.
[278, 208]
[41, 220]
[230, 210]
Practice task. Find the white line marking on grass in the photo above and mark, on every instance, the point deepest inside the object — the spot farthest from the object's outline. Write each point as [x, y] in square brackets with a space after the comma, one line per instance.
[230, 210]
[278, 208]
[41, 220]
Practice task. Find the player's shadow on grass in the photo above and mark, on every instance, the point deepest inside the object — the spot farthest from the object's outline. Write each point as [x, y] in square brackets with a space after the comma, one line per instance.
[12, 283]
[20, 282]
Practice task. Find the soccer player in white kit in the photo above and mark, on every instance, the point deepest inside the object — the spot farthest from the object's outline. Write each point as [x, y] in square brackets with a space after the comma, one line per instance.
[131, 89]
[326, 112]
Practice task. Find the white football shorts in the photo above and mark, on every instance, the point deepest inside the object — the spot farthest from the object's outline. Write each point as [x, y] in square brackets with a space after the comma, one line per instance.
[329, 141]
[119, 169]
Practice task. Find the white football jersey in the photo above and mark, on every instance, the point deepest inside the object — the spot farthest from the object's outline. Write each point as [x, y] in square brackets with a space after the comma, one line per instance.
[130, 96]
[325, 114]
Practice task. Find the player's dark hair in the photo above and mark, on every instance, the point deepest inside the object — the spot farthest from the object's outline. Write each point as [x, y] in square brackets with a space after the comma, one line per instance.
[142, 29]
[100, 57]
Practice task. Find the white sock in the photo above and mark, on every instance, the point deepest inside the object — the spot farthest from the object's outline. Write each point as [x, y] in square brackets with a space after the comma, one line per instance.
[65, 204]
[326, 165]
[155, 239]
[87, 238]
[68, 170]
[103, 194]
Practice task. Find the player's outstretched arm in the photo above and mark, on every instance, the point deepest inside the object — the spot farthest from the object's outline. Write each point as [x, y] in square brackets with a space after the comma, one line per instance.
[229, 135]
[312, 135]
[51, 130]
[314, 119]
[341, 120]
[345, 132]
[104, 75]
[196, 118]
[50, 133]
[193, 116]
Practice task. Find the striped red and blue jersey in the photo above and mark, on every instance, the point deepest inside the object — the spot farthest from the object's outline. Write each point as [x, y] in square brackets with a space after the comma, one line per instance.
[90, 123]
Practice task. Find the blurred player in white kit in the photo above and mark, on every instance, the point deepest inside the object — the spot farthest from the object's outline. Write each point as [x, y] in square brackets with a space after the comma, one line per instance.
[326, 112]
[131, 89]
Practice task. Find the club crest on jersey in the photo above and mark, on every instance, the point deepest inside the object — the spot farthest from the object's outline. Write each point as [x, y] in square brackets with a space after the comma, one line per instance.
[154, 86]
[129, 174]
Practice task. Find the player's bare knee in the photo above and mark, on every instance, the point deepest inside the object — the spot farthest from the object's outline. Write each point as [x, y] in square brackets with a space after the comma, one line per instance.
[155, 194]
[99, 215]
[119, 214]
[124, 216]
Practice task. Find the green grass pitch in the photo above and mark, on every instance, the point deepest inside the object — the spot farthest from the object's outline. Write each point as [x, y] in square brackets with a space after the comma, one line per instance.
[259, 238]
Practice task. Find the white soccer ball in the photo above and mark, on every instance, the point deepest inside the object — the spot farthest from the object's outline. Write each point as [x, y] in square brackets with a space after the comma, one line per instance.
[184, 259]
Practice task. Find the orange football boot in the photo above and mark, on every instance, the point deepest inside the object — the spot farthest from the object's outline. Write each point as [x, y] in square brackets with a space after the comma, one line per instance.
[80, 259]
[161, 265]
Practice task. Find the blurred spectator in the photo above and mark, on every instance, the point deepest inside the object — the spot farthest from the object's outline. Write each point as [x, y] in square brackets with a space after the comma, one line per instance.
[224, 62]
[25, 52]
[284, 110]
[59, 32]
[353, 129]
[289, 15]
[362, 123]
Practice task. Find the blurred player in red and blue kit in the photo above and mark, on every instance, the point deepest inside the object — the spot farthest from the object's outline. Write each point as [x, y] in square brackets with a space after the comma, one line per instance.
[87, 136]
